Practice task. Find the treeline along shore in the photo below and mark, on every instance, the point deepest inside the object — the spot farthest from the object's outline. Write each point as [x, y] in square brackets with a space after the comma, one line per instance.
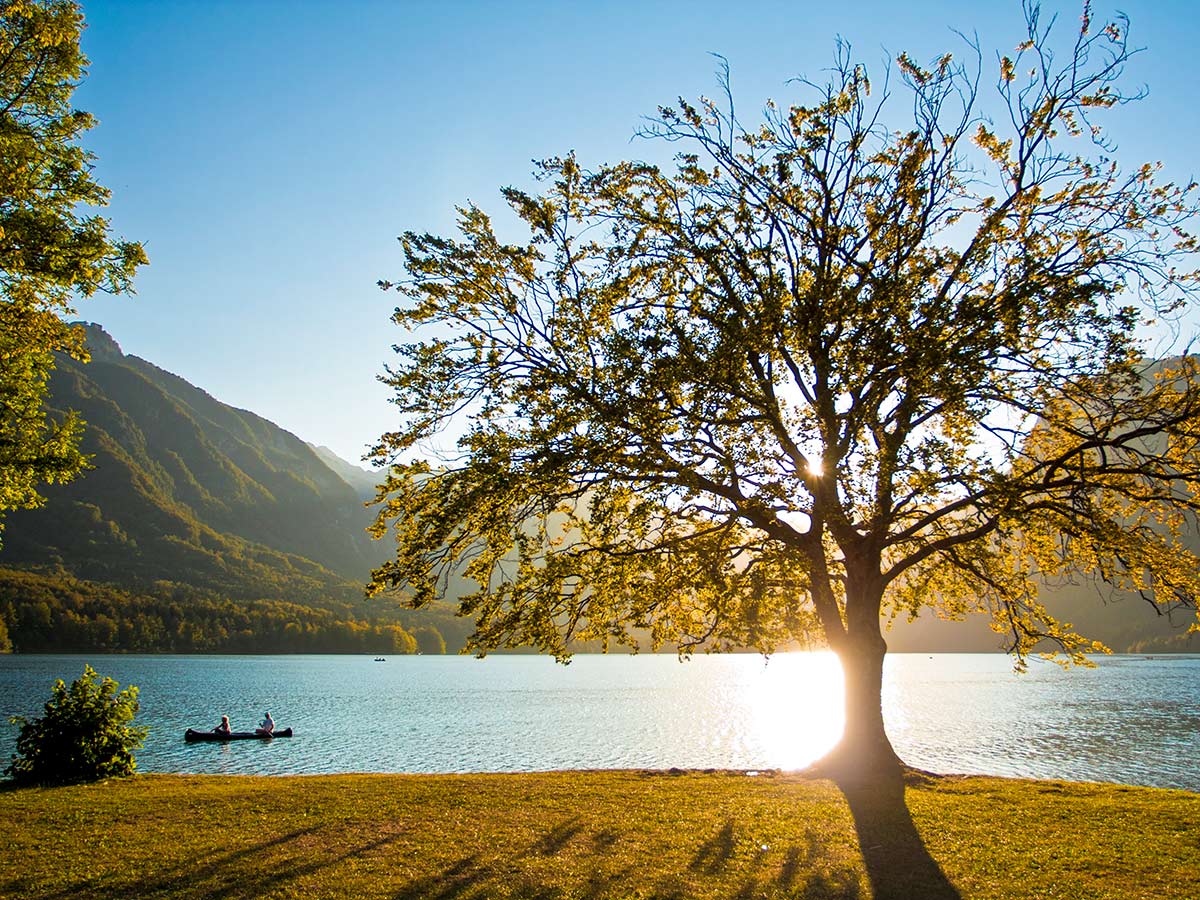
[45, 613]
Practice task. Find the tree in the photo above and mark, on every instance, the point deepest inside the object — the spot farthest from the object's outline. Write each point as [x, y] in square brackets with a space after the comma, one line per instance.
[51, 250]
[429, 641]
[85, 734]
[823, 372]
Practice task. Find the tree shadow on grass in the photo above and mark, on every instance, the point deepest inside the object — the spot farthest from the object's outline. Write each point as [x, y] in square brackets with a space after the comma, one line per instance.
[898, 864]
[806, 867]
[716, 851]
[465, 878]
[211, 875]
[477, 876]
[805, 873]
[557, 838]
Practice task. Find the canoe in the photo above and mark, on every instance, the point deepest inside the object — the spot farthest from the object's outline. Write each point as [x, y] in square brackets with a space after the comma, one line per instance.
[192, 735]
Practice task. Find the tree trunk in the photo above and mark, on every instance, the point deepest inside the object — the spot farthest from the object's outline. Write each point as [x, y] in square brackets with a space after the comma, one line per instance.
[864, 750]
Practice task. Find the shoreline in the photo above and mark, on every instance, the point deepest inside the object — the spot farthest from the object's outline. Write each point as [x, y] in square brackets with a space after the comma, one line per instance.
[913, 777]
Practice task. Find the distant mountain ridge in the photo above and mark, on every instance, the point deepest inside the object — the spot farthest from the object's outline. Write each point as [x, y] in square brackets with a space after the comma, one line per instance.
[362, 480]
[190, 490]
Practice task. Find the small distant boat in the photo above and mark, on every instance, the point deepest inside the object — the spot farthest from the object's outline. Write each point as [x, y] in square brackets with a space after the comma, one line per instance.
[191, 735]
[380, 659]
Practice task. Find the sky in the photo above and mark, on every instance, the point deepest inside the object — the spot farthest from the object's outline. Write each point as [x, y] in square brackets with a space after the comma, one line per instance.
[269, 154]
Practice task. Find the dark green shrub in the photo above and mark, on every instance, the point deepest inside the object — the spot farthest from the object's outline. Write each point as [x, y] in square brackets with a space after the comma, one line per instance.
[85, 734]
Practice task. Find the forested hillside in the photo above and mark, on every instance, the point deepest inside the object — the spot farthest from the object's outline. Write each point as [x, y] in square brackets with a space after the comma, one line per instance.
[186, 489]
[43, 613]
[199, 528]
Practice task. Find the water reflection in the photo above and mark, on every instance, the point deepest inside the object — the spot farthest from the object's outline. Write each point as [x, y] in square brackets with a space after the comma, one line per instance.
[1131, 719]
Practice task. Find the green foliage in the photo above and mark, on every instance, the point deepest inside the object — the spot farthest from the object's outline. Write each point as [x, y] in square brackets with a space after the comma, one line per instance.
[51, 248]
[429, 640]
[85, 734]
[45, 613]
[828, 368]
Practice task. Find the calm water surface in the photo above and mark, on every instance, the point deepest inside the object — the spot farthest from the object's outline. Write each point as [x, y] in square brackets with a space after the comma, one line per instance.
[1132, 719]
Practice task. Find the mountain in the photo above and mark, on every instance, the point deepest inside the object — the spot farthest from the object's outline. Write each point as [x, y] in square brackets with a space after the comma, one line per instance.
[364, 481]
[186, 489]
[1123, 622]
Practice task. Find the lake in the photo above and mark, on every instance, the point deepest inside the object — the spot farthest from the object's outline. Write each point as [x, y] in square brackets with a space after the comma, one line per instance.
[1132, 719]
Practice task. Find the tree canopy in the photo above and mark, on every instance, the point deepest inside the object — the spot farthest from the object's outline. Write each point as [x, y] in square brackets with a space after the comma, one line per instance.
[52, 249]
[885, 348]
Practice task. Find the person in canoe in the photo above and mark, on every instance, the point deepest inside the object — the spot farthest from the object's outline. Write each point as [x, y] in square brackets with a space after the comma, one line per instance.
[266, 726]
[224, 727]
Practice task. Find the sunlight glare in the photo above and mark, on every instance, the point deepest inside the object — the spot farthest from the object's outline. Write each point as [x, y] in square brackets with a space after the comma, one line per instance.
[796, 707]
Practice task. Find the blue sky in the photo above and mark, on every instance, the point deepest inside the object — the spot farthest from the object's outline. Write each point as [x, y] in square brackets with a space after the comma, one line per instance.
[269, 153]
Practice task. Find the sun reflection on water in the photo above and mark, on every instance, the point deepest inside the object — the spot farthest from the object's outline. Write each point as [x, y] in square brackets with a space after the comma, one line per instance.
[796, 709]
[1132, 720]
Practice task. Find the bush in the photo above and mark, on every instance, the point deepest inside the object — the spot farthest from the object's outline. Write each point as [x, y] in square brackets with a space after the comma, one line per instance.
[85, 734]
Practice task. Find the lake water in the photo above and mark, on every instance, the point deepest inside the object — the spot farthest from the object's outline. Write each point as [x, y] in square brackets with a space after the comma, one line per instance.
[1131, 719]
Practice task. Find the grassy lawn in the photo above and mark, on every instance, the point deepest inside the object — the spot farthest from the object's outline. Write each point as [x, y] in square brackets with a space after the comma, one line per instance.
[579, 835]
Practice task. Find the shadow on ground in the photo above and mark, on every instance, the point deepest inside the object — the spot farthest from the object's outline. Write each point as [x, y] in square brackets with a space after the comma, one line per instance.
[723, 860]
[898, 864]
[721, 856]
[204, 876]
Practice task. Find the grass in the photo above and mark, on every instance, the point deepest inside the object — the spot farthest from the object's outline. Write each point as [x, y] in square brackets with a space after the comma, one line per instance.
[580, 835]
